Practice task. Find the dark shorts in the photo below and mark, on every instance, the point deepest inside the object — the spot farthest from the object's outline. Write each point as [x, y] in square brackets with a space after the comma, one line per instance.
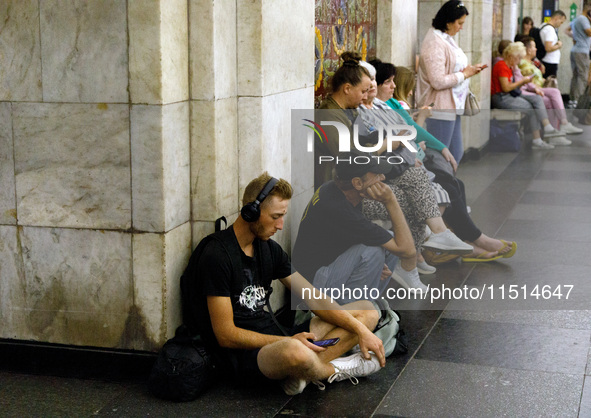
[243, 363]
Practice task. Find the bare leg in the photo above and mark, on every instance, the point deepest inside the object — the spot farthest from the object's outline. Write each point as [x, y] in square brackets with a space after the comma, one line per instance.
[291, 358]
[436, 225]
[491, 244]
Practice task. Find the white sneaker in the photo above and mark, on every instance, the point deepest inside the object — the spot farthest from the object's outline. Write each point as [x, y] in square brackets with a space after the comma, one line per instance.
[551, 133]
[293, 386]
[569, 128]
[539, 144]
[559, 140]
[448, 242]
[424, 268]
[354, 366]
[468, 209]
[408, 279]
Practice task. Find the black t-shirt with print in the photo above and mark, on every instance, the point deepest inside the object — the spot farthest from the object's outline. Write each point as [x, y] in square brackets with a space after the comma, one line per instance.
[331, 225]
[247, 290]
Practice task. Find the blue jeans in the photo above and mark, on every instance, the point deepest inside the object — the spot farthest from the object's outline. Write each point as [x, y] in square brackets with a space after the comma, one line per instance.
[360, 267]
[449, 132]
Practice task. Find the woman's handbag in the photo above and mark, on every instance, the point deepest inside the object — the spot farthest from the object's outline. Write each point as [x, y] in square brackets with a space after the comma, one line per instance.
[471, 107]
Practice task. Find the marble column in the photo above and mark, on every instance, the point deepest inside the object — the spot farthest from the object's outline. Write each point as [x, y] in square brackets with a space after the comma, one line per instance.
[214, 137]
[276, 75]
[94, 171]
[397, 32]
[160, 166]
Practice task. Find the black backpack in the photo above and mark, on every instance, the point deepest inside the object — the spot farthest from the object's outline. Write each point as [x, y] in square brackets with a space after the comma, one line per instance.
[183, 368]
[535, 33]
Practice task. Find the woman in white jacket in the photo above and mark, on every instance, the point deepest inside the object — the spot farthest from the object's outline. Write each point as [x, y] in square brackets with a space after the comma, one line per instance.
[443, 75]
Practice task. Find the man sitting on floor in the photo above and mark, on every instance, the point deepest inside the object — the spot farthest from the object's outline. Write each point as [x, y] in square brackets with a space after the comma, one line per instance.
[233, 278]
[339, 248]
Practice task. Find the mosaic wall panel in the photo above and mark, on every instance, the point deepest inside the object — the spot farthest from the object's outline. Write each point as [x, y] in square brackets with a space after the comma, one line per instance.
[342, 25]
[497, 25]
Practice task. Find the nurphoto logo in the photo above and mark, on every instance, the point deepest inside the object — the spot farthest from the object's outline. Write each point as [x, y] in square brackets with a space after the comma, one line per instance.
[385, 133]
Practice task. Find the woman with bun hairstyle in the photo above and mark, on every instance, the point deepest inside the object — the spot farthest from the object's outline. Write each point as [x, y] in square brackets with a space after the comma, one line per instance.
[350, 85]
[443, 76]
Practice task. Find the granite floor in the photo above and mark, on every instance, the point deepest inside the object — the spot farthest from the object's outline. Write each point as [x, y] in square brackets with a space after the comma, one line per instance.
[497, 356]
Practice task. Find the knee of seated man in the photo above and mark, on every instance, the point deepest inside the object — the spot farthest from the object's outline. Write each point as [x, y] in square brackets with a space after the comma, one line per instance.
[373, 255]
[369, 315]
[295, 354]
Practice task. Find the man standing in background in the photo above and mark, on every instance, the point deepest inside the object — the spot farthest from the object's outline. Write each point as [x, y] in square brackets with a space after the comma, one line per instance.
[549, 36]
[580, 30]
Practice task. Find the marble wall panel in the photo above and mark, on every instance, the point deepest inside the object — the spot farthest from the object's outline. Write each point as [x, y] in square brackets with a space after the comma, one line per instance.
[266, 55]
[72, 165]
[158, 51]
[20, 72]
[397, 37]
[212, 49]
[175, 50]
[7, 194]
[84, 51]
[145, 68]
[177, 244]
[77, 285]
[176, 152]
[12, 291]
[160, 166]
[426, 13]
[214, 158]
[264, 131]
[201, 229]
[149, 285]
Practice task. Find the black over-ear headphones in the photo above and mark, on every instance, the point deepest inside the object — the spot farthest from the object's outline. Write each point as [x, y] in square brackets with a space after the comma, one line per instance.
[252, 211]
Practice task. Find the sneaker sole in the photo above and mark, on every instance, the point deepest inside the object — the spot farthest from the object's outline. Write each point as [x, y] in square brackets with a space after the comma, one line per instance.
[552, 134]
[421, 271]
[449, 250]
[402, 283]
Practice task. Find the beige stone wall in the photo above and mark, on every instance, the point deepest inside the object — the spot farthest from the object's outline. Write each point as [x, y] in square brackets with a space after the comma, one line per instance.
[126, 129]
[397, 31]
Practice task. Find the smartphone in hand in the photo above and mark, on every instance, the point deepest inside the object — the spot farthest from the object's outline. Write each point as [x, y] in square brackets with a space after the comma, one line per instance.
[326, 343]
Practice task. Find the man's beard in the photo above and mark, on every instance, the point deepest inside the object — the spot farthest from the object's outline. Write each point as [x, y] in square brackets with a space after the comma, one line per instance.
[257, 229]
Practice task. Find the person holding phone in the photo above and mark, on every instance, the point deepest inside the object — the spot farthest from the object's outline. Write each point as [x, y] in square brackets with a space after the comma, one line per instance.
[444, 71]
[506, 94]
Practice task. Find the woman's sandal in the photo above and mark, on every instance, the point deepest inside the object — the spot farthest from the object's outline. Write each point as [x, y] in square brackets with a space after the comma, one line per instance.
[511, 252]
[481, 258]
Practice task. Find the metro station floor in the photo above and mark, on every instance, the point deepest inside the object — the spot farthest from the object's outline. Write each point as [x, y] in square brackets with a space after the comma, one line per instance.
[508, 358]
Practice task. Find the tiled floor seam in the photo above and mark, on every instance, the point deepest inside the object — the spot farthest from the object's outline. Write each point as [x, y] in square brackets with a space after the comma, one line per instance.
[407, 363]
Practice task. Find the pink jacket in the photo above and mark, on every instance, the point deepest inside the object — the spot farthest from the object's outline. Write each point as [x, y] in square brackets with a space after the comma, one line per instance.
[436, 77]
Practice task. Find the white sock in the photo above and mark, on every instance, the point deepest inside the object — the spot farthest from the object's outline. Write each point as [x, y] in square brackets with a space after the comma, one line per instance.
[537, 141]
